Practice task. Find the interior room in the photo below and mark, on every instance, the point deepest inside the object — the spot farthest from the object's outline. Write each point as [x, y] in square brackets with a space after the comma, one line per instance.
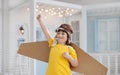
[96, 25]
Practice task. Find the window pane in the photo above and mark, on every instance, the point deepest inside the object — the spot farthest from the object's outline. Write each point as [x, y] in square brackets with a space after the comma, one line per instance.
[75, 36]
[108, 35]
[103, 34]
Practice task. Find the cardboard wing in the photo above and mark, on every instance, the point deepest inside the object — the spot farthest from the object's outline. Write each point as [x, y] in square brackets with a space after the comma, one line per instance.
[87, 64]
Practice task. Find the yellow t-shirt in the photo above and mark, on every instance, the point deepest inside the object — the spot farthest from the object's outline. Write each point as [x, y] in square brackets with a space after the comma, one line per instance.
[58, 65]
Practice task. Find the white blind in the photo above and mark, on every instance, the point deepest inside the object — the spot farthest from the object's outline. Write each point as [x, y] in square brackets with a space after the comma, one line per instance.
[108, 37]
[103, 34]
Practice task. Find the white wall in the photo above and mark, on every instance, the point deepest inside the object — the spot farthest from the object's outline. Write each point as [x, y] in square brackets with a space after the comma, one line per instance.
[0, 25]
[17, 17]
[74, 17]
[83, 29]
[0, 3]
[0, 36]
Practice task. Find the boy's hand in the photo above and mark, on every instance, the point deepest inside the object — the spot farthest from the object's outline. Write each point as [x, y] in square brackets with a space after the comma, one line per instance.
[38, 17]
[72, 61]
[66, 55]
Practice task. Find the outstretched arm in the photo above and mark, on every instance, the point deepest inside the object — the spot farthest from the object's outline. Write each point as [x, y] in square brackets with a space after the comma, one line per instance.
[46, 32]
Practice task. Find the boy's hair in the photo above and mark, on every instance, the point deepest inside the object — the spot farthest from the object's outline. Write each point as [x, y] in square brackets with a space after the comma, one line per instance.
[68, 29]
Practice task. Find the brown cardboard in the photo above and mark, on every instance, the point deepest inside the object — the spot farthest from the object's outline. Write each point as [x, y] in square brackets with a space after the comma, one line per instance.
[87, 64]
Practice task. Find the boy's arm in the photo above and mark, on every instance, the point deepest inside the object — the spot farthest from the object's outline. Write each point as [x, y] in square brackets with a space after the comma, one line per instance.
[73, 62]
[46, 32]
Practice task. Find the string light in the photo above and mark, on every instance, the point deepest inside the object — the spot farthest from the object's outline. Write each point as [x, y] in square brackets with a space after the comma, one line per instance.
[54, 11]
[28, 9]
[57, 11]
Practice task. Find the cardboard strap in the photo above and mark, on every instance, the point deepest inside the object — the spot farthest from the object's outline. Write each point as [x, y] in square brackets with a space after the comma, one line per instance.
[68, 49]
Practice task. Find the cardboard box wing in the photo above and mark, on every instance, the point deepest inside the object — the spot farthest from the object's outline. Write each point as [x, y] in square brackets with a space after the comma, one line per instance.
[87, 64]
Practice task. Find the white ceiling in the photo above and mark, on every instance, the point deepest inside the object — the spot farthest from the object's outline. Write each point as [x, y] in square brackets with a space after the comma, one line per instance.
[13, 3]
[89, 2]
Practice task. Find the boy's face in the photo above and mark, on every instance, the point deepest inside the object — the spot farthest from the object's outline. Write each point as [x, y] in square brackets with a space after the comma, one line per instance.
[61, 37]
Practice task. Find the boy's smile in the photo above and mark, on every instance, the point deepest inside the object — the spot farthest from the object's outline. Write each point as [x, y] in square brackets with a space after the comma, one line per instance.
[61, 37]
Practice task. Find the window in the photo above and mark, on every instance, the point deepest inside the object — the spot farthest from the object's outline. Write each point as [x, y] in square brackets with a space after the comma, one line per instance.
[107, 35]
[75, 36]
[103, 34]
